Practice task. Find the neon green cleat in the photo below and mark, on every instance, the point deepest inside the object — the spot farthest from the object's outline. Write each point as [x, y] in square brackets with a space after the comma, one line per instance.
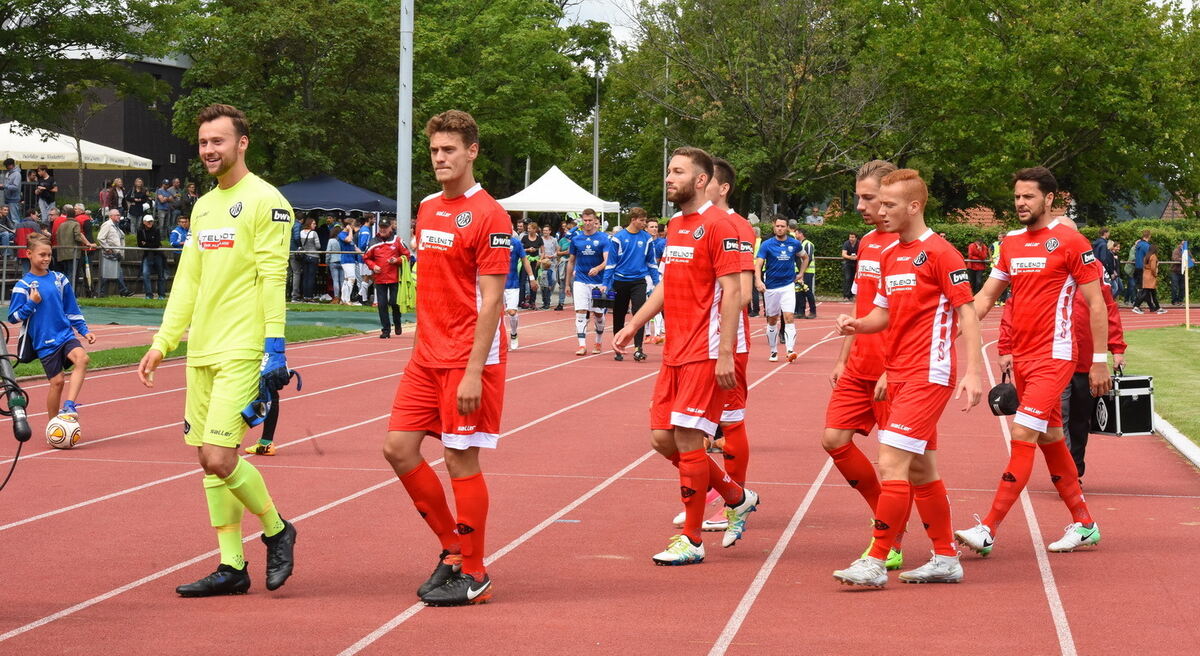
[895, 557]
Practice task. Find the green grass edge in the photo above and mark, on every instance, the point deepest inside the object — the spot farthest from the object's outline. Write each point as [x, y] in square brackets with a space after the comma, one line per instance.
[1172, 355]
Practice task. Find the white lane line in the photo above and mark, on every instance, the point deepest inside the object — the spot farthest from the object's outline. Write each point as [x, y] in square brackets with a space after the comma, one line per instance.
[1066, 641]
[161, 573]
[417, 607]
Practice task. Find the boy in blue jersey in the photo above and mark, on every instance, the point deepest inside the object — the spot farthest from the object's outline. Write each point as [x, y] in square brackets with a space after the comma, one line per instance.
[779, 255]
[631, 262]
[512, 289]
[366, 232]
[654, 329]
[589, 256]
[45, 301]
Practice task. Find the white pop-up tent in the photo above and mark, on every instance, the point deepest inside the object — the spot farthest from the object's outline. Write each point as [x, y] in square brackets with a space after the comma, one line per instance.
[29, 149]
[555, 192]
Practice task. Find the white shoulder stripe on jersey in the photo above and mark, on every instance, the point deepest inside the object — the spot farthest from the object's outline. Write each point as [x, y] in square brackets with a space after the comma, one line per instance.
[473, 190]
[926, 235]
[430, 197]
[1018, 231]
[890, 246]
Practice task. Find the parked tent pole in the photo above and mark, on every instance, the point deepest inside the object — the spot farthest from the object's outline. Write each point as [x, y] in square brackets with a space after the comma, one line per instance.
[404, 127]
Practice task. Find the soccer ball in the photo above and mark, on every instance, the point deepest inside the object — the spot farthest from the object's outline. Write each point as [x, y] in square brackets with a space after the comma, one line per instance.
[62, 432]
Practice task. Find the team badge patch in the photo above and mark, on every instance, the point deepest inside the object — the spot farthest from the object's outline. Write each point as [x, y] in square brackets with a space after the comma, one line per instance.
[1088, 257]
[1052, 244]
[500, 240]
[699, 233]
[920, 259]
[236, 209]
[731, 244]
[958, 277]
[463, 219]
[281, 216]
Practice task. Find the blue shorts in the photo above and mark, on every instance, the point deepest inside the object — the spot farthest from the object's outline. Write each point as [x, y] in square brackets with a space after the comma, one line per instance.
[57, 362]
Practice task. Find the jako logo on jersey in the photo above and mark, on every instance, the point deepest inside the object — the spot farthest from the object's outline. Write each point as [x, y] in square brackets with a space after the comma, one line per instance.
[1052, 244]
[921, 259]
[1027, 265]
[731, 244]
[500, 240]
[436, 239]
[282, 216]
[901, 282]
[463, 219]
[236, 209]
[209, 240]
[958, 277]
[674, 253]
[1089, 257]
[699, 233]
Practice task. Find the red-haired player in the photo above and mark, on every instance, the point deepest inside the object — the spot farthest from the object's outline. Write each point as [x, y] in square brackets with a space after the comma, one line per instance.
[925, 297]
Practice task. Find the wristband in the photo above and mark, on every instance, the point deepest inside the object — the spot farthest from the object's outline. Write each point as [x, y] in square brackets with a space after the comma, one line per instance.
[1099, 358]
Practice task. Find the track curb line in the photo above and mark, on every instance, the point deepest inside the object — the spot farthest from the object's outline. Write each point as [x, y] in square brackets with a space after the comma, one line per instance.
[1182, 444]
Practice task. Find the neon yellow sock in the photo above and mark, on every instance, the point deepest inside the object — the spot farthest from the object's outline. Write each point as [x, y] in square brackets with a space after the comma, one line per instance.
[225, 511]
[248, 486]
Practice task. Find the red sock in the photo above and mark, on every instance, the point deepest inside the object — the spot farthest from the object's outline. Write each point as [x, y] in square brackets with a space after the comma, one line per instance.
[1066, 479]
[912, 494]
[721, 482]
[858, 472]
[933, 505]
[1016, 476]
[693, 483]
[889, 513]
[430, 499]
[471, 500]
[737, 451]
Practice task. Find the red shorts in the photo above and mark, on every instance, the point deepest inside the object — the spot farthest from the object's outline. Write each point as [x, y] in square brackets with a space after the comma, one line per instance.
[1040, 384]
[687, 396]
[853, 406]
[735, 399]
[427, 400]
[914, 408]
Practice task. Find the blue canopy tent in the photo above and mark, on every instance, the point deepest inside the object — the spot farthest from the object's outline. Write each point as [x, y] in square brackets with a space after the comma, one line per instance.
[324, 192]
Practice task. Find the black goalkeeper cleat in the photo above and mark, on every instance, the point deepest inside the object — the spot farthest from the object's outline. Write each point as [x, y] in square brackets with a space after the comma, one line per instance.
[448, 566]
[225, 581]
[460, 590]
[280, 548]
[639, 355]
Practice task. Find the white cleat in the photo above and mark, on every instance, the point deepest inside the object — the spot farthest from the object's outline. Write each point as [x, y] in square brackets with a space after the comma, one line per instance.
[680, 551]
[718, 522]
[736, 518]
[1077, 535]
[513, 344]
[679, 519]
[774, 357]
[939, 569]
[978, 538]
[867, 572]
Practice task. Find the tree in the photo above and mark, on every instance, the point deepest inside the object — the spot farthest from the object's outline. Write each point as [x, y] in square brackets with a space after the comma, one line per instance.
[47, 47]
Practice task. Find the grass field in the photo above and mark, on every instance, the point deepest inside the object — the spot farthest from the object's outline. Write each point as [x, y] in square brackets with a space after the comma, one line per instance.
[133, 354]
[137, 302]
[1172, 356]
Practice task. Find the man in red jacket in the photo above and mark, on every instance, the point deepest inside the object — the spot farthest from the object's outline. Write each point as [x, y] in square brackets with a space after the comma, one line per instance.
[383, 259]
[1077, 399]
[978, 260]
[25, 228]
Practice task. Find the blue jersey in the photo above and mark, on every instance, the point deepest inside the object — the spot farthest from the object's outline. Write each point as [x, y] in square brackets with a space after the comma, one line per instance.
[631, 257]
[589, 254]
[513, 281]
[348, 255]
[55, 319]
[780, 259]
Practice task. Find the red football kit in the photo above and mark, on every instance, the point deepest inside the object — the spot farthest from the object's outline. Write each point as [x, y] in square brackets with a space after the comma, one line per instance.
[852, 405]
[458, 239]
[1044, 268]
[735, 400]
[701, 247]
[924, 281]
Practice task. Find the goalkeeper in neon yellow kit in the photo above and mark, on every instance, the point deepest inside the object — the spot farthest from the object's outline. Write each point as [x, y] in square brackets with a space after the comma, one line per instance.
[229, 291]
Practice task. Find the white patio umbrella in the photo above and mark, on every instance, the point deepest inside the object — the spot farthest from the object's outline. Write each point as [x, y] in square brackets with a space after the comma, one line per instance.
[58, 151]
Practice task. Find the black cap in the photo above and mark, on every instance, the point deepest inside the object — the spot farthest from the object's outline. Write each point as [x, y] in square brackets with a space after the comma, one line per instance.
[1002, 399]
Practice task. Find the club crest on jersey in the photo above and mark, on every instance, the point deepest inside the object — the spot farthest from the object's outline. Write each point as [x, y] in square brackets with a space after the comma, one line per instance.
[958, 277]
[920, 259]
[236, 209]
[731, 244]
[499, 239]
[281, 216]
[699, 233]
[1052, 244]
[1088, 258]
[463, 219]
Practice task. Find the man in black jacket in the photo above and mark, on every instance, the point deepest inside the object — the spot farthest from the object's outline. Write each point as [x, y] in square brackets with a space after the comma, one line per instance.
[153, 262]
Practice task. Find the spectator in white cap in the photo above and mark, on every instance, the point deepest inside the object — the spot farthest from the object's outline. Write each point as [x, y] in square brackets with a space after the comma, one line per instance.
[149, 238]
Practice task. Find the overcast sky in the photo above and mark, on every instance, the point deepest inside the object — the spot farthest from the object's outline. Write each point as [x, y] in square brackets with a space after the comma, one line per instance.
[606, 11]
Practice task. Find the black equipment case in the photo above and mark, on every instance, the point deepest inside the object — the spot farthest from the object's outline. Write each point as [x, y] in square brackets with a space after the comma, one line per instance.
[1128, 409]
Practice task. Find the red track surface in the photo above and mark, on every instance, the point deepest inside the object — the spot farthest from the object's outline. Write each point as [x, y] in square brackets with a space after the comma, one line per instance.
[95, 539]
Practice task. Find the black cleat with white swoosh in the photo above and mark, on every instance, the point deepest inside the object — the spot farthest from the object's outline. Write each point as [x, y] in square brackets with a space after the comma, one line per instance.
[460, 590]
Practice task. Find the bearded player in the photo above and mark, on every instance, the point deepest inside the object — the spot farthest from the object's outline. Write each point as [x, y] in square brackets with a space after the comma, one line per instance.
[700, 298]
[924, 298]
[1047, 264]
[453, 386]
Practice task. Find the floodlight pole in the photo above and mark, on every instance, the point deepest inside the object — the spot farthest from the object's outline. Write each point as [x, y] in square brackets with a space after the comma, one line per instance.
[596, 139]
[666, 162]
[404, 127]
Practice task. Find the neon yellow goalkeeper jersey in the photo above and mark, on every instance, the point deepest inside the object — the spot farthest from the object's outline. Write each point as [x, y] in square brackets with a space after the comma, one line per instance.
[231, 282]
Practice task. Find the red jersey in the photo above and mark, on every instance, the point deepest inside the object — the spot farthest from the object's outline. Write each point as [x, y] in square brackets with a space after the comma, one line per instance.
[379, 253]
[1045, 268]
[746, 236]
[701, 247]
[866, 354]
[458, 240]
[923, 282]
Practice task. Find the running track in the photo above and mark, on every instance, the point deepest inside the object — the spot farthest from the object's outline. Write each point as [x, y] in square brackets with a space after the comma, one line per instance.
[95, 539]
